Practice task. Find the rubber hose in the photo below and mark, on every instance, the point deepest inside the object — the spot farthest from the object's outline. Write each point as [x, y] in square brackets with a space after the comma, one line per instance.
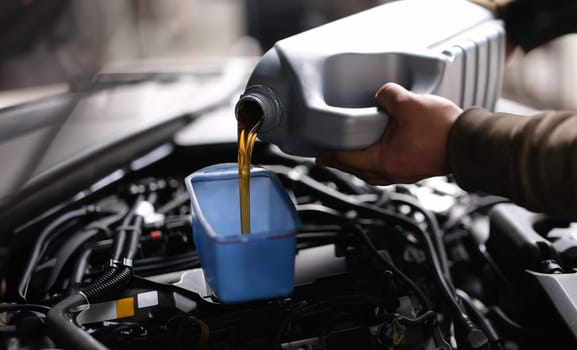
[111, 280]
[64, 332]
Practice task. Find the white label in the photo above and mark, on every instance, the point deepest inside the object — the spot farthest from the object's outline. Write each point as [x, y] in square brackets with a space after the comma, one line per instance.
[147, 299]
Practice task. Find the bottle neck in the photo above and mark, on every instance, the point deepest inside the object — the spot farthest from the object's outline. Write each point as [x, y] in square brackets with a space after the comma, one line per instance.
[259, 102]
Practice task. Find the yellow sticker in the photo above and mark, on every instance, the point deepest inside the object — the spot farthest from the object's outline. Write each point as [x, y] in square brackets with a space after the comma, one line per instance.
[125, 307]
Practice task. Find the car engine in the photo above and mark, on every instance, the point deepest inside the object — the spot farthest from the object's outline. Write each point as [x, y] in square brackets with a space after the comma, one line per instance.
[100, 255]
[423, 266]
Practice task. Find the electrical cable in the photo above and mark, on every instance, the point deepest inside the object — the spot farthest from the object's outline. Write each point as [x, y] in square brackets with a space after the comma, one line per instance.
[475, 336]
[493, 265]
[392, 267]
[481, 320]
[132, 229]
[433, 225]
[499, 317]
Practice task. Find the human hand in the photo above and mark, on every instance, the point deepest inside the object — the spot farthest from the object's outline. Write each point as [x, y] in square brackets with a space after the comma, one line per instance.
[413, 145]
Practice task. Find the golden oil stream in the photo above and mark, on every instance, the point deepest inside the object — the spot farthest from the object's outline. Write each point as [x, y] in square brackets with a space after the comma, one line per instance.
[247, 132]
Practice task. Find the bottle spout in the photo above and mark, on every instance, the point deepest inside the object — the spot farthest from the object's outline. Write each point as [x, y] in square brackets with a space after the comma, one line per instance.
[258, 102]
[249, 110]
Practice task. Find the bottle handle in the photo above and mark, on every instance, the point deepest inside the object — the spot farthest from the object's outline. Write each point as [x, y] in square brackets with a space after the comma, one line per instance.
[333, 122]
[357, 127]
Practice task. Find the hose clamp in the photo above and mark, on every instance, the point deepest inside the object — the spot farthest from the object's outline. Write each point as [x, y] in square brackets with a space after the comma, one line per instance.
[127, 262]
[113, 263]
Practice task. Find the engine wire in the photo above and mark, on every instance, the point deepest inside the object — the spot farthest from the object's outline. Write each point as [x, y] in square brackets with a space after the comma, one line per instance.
[433, 226]
[426, 303]
[433, 248]
[342, 201]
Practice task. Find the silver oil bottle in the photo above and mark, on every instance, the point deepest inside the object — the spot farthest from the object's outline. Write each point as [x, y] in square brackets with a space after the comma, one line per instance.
[315, 90]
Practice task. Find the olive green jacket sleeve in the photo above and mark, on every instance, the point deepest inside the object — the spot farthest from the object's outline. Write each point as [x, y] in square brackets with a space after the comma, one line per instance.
[531, 160]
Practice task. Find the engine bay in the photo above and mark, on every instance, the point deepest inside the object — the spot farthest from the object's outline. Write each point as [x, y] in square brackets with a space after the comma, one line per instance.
[97, 247]
[398, 267]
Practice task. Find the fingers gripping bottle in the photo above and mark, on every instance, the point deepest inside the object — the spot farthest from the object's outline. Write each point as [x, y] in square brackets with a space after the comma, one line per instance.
[315, 90]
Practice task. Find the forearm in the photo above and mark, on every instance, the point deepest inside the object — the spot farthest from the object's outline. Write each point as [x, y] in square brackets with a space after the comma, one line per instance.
[531, 160]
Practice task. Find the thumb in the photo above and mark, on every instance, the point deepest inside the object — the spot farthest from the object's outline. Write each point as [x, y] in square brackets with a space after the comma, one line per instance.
[390, 95]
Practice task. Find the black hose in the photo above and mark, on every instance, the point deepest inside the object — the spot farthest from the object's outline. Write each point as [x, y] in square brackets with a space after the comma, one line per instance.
[134, 238]
[119, 250]
[120, 238]
[39, 245]
[66, 250]
[82, 261]
[147, 267]
[509, 326]
[111, 280]
[71, 245]
[64, 332]
[118, 245]
[80, 267]
[23, 307]
[61, 328]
